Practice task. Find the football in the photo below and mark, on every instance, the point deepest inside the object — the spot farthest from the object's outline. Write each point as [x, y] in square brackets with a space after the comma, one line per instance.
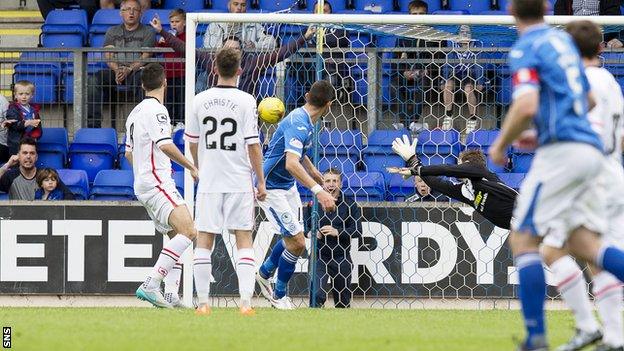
[271, 110]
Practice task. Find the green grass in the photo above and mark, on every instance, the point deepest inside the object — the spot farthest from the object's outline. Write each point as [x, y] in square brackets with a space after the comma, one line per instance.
[271, 330]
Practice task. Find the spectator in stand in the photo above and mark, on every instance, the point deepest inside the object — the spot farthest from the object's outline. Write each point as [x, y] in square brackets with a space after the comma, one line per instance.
[252, 35]
[48, 180]
[468, 74]
[111, 4]
[4, 145]
[412, 80]
[22, 117]
[175, 70]
[422, 191]
[20, 181]
[47, 6]
[123, 68]
[592, 8]
[336, 229]
[252, 64]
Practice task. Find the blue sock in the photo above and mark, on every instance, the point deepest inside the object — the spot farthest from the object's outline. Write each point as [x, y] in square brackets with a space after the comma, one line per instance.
[268, 267]
[286, 269]
[532, 293]
[611, 260]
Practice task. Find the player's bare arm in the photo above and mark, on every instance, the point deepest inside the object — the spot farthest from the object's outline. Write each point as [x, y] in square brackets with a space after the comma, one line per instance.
[518, 119]
[294, 167]
[175, 155]
[128, 155]
[255, 158]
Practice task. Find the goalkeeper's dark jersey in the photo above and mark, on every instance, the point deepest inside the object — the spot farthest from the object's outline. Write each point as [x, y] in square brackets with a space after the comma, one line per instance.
[480, 188]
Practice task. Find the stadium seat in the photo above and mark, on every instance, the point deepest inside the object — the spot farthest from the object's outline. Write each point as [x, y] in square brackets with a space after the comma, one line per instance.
[337, 142]
[380, 141]
[521, 160]
[178, 178]
[44, 74]
[4, 196]
[434, 5]
[221, 5]
[162, 14]
[450, 13]
[77, 181]
[399, 189]
[65, 29]
[483, 139]
[93, 150]
[277, 5]
[113, 184]
[102, 20]
[364, 186]
[304, 193]
[512, 180]
[178, 140]
[52, 148]
[472, 6]
[342, 163]
[375, 6]
[438, 146]
[378, 163]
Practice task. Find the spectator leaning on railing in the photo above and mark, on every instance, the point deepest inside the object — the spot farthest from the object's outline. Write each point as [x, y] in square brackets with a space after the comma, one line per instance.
[20, 182]
[336, 229]
[122, 67]
[252, 35]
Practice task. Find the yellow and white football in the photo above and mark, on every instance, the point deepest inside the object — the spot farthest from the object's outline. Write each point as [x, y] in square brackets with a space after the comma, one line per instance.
[271, 110]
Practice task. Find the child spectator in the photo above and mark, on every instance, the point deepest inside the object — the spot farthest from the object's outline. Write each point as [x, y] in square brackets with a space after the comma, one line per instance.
[4, 147]
[175, 70]
[22, 117]
[47, 180]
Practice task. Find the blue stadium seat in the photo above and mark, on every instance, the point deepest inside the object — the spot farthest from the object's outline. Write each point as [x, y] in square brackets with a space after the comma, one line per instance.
[483, 139]
[304, 193]
[178, 178]
[77, 181]
[521, 160]
[364, 186]
[513, 180]
[450, 12]
[113, 184]
[52, 148]
[337, 142]
[93, 150]
[191, 5]
[336, 5]
[102, 20]
[277, 5]
[438, 146]
[178, 140]
[375, 6]
[64, 29]
[44, 74]
[380, 141]
[434, 5]
[162, 14]
[342, 163]
[399, 189]
[4, 196]
[378, 163]
[471, 6]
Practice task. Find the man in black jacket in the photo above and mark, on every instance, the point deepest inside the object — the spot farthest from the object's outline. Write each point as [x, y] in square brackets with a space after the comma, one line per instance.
[20, 182]
[334, 245]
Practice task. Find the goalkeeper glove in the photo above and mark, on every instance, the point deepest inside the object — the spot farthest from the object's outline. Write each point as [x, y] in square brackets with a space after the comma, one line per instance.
[407, 151]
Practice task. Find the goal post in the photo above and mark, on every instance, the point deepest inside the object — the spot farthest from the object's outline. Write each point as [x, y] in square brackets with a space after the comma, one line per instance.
[441, 79]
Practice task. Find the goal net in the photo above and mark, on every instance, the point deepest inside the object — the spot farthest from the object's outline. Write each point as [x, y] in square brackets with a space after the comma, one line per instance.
[442, 80]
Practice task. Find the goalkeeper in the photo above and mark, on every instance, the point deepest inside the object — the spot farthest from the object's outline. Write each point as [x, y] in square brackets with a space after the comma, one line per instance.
[478, 187]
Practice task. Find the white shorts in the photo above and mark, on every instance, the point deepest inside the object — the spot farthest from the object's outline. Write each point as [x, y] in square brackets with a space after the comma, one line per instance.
[561, 192]
[218, 211]
[284, 211]
[159, 203]
[614, 183]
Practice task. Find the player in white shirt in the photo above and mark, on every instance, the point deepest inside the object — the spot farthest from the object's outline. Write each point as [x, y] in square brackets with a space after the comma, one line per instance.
[150, 150]
[225, 144]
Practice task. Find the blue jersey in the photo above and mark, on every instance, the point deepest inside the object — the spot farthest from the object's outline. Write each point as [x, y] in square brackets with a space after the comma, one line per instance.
[293, 134]
[547, 60]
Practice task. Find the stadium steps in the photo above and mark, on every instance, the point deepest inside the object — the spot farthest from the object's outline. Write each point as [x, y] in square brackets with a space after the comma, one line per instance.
[20, 28]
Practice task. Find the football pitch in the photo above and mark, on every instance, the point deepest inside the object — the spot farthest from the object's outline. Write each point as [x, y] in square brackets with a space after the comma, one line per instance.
[302, 329]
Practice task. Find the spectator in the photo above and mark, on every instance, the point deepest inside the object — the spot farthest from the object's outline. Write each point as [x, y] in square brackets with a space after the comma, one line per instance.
[20, 182]
[252, 35]
[22, 117]
[47, 6]
[122, 67]
[175, 70]
[252, 64]
[468, 74]
[48, 180]
[592, 8]
[4, 146]
[412, 80]
[111, 4]
[336, 229]
[422, 191]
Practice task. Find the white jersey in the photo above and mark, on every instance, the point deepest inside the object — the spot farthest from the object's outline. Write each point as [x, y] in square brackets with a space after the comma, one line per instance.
[147, 128]
[224, 121]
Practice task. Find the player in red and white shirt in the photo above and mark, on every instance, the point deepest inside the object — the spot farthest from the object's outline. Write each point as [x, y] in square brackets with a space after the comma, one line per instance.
[223, 132]
[150, 150]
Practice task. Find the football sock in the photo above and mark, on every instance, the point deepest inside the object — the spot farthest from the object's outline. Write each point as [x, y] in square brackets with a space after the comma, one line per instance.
[573, 289]
[169, 255]
[611, 260]
[608, 296]
[246, 270]
[268, 267]
[202, 272]
[532, 292]
[172, 280]
[286, 268]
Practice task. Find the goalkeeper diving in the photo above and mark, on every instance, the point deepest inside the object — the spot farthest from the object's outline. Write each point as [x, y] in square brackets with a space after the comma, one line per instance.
[478, 186]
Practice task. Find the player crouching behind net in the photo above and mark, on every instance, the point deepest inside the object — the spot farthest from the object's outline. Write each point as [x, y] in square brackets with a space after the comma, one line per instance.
[150, 149]
[224, 142]
[285, 161]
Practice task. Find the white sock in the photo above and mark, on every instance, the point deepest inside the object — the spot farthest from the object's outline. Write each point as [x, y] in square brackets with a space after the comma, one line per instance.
[202, 271]
[172, 280]
[573, 288]
[608, 296]
[169, 255]
[246, 272]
